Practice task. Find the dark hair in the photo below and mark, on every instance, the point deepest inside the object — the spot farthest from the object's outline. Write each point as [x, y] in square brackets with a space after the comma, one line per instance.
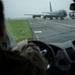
[32, 63]
[1, 12]
[2, 21]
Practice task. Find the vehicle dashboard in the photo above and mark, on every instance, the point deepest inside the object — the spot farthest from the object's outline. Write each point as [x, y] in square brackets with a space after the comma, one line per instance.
[64, 55]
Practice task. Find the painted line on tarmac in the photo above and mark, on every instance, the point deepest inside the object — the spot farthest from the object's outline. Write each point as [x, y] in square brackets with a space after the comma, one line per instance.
[38, 31]
[36, 35]
[60, 26]
[63, 24]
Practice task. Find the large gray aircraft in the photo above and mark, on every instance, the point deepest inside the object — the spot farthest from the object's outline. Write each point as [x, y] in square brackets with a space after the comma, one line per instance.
[55, 14]
[51, 14]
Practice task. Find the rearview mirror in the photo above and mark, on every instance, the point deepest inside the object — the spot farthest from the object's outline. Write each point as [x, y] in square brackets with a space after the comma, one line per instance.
[72, 6]
[74, 0]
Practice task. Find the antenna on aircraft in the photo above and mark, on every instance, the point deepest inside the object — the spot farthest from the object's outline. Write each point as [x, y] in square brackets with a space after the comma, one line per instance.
[50, 7]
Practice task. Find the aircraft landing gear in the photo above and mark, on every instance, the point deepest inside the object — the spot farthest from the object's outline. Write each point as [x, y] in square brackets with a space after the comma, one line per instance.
[61, 18]
[34, 17]
[44, 17]
[51, 18]
[56, 17]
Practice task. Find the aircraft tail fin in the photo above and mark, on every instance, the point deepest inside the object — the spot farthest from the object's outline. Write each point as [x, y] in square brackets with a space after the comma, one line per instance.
[50, 7]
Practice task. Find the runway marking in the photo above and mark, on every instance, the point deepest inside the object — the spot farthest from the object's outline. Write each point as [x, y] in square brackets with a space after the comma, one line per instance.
[38, 31]
[60, 26]
[63, 24]
[36, 35]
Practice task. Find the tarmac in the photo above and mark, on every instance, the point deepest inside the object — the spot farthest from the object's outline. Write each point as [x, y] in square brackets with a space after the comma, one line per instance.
[53, 31]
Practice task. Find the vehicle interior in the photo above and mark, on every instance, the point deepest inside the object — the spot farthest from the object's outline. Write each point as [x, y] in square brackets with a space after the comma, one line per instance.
[62, 61]
[60, 56]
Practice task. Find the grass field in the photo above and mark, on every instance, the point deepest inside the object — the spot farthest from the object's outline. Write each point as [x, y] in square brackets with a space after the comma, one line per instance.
[19, 29]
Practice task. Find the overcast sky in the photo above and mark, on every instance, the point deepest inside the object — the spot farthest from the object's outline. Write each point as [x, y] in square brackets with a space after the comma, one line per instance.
[17, 8]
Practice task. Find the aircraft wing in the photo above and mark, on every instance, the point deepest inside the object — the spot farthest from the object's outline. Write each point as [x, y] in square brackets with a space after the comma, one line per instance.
[34, 14]
[46, 12]
[49, 12]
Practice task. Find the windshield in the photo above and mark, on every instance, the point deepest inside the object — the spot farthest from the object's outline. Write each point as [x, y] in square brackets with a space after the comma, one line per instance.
[45, 20]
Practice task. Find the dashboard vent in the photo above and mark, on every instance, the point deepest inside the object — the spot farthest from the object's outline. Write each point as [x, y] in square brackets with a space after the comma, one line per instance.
[71, 53]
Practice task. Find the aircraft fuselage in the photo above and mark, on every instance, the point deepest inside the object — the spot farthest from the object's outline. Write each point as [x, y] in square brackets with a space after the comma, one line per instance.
[59, 14]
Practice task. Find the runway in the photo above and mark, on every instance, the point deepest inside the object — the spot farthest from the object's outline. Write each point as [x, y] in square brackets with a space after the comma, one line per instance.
[52, 31]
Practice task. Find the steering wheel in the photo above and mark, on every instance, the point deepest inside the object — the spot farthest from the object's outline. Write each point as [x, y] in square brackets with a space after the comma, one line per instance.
[47, 52]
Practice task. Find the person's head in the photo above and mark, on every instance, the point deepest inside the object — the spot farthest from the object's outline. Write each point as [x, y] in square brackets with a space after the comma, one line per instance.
[2, 22]
[32, 52]
[36, 64]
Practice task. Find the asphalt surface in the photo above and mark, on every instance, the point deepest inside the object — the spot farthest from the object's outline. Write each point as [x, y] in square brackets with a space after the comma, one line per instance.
[53, 31]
